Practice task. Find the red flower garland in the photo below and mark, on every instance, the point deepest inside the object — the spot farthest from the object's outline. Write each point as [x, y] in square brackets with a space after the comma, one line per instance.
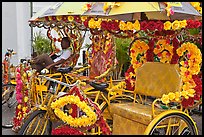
[175, 57]
[66, 130]
[128, 84]
[149, 53]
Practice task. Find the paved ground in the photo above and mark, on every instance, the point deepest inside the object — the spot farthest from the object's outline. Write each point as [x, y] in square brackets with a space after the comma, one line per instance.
[8, 114]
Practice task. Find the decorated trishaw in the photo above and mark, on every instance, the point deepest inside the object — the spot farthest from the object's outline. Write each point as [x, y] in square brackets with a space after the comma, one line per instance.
[161, 85]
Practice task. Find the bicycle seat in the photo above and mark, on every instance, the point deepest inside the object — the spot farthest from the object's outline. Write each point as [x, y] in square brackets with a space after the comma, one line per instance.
[65, 70]
[99, 86]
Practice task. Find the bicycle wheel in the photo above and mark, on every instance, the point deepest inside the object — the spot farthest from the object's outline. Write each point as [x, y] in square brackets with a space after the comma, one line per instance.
[8, 105]
[37, 124]
[173, 123]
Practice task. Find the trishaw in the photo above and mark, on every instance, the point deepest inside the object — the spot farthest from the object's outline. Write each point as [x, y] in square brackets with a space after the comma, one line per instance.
[160, 85]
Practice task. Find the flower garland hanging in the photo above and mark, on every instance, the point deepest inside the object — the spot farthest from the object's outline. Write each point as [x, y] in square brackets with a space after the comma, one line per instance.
[82, 121]
[138, 53]
[66, 130]
[189, 69]
[130, 78]
[117, 25]
[22, 87]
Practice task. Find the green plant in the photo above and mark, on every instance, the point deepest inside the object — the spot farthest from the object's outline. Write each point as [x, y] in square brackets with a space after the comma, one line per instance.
[122, 49]
[41, 44]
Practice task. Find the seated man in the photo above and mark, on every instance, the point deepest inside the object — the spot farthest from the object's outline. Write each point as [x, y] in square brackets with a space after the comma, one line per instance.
[45, 61]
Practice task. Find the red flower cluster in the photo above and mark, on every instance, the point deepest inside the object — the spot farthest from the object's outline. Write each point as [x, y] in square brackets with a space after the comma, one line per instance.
[193, 24]
[77, 19]
[175, 56]
[66, 130]
[198, 89]
[128, 84]
[151, 25]
[104, 127]
[150, 54]
[110, 25]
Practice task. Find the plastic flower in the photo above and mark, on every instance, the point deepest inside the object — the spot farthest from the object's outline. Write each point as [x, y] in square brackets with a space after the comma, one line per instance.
[122, 25]
[175, 25]
[184, 94]
[19, 106]
[165, 99]
[191, 92]
[130, 26]
[136, 25]
[171, 96]
[183, 24]
[177, 96]
[70, 18]
[167, 25]
[25, 99]
[59, 18]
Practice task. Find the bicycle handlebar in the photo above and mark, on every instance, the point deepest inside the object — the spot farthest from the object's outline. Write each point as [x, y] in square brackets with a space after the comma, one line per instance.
[61, 83]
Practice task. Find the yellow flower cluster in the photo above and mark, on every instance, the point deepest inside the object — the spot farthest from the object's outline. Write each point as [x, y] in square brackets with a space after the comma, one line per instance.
[138, 47]
[129, 25]
[83, 121]
[177, 96]
[187, 69]
[114, 90]
[175, 25]
[164, 55]
[94, 24]
[194, 56]
[197, 6]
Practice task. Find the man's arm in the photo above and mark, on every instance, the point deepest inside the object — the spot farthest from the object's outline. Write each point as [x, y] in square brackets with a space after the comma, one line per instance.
[56, 63]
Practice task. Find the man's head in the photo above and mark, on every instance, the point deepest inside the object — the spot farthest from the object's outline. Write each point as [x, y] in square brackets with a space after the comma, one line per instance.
[65, 43]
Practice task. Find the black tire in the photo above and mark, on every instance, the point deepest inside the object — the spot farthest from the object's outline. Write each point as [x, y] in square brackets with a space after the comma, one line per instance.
[8, 105]
[36, 116]
[189, 128]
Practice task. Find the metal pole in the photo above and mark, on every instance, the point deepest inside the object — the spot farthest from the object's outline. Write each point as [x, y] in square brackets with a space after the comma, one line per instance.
[31, 14]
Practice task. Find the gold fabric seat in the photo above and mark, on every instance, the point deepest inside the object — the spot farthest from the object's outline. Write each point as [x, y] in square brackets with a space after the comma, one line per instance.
[152, 79]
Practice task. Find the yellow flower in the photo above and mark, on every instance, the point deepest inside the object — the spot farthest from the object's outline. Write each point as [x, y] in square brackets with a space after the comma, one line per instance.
[24, 109]
[171, 96]
[165, 99]
[98, 24]
[122, 25]
[184, 94]
[19, 106]
[130, 26]
[91, 23]
[25, 99]
[177, 96]
[70, 18]
[175, 25]
[83, 18]
[195, 69]
[191, 92]
[183, 24]
[136, 25]
[59, 18]
[167, 25]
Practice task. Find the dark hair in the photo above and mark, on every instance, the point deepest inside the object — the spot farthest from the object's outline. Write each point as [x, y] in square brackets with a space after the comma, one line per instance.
[66, 39]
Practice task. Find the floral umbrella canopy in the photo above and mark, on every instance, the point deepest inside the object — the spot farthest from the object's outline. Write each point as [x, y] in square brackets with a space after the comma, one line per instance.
[129, 11]
[126, 11]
